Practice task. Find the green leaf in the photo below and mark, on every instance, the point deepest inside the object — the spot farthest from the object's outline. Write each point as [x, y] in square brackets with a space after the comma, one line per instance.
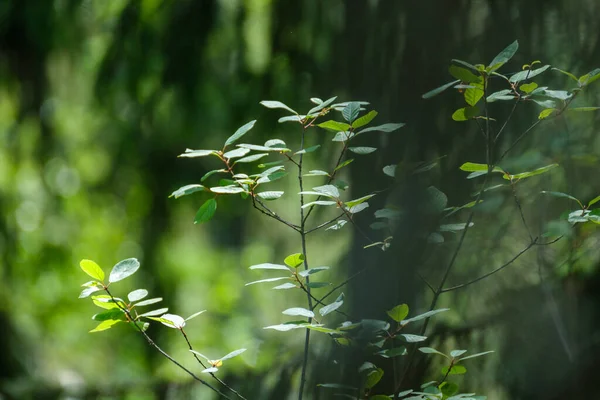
[187, 189]
[440, 89]
[528, 174]
[137, 295]
[206, 211]
[229, 189]
[321, 106]
[331, 307]
[299, 311]
[273, 195]
[148, 302]
[544, 103]
[194, 315]
[373, 378]
[113, 313]
[362, 150]
[527, 74]
[457, 353]
[251, 158]
[564, 195]
[358, 201]
[287, 285]
[394, 352]
[240, 132]
[469, 66]
[92, 269]
[256, 147]
[364, 120]
[424, 315]
[476, 355]
[528, 87]
[320, 203]
[383, 128]
[234, 353]
[473, 95]
[123, 269]
[436, 200]
[329, 190]
[476, 167]
[343, 136]
[431, 350]
[334, 126]
[104, 325]
[189, 153]
[343, 164]
[316, 172]
[580, 109]
[448, 389]
[272, 177]
[454, 227]
[209, 173]
[413, 338]
[505, 94]
[463, 74]
[308, 149]
[350, 112]
[170, 320]
[236, 153]
[593, 201]
[465, 113]
[89, 290]
[589, 77]
[312, 271]
[294, 260]
[504, 55]
[336, 386]
[291, 118]
[456, 370]
[159, 311]
[267, 280]
[570, 75]
[399, 312]
[276, 104]
[270, 266]
[390, 170]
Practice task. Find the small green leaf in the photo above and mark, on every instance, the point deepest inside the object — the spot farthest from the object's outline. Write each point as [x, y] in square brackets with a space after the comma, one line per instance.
[350, 112]
[476, 167]
[206, 211]
[593, 201]
[104, 325]
[113, 313]
[294, 260]
[390, 170]
[148, 302]
[316, 172]
[358, 201]
[399, 312]
[528, 87]
[187, 189]
[343, 164]
[362, 150]
[209, 173]
[312, 271]
[263, 148]
[272, 177]
[504, 55]
[424, 315]
[476, 355]
[564, 195]
[229, 189]
[528, 174]
[308, 149]
[527, 74]
[473, 95]
[92, 269]
[463, 74]
[321, 106]
[413, 338]
[137, 295]
[236, 153]
[194, 315]
[329, 190]
[373, 378]
[159, 311]
[449, 389]
[240, 132]
[270, 266]
[394, 352]
[330, 307]
[465, 113]
[299, 312]
[189, 153]
[570, 75]
[454, 227]
[252, 158]
[287, 285]
[505, 94]
[291, 118]
[273, 195]
[456, 370]
[334, 126]
[88, 291]
[123, 269]
[276, 104]
[383, 128]
[234, 353]
[440, 89]
[457, 353]
[364, 120]
[267, 280]
[430, 350]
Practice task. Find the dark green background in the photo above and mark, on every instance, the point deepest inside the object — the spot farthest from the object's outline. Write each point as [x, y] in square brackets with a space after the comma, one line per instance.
[98, 97]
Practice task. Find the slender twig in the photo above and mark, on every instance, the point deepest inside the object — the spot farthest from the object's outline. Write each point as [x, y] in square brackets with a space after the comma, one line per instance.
[514, 191]
[521, 136]
[426, 282]
[272, 214]
[512, 111]
[320, 302]
[324, 224]
[211, 373]
[160, 350]
[344, 282]
[303, 239]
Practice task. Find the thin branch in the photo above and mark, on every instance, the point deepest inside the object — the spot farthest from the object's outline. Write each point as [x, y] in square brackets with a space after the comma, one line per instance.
[512, 111]
[521, 136]
[272, 214]
[426, 282]
[161, 351]
[344, 283]
[514, 191]
[324, 224]
[211, 373]
[303, 287]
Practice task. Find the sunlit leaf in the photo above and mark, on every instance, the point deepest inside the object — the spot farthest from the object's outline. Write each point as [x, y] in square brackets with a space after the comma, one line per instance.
[334, 126]
[187, 189]
[276, 104]
[413, 338]
[252, 158]
[240, 132]
[399, 312]
[137, 295]
[195, 315]
[236, 153]
[299, 311]
[148, 302]
[92, 269]
[476, 355]
[229, 189]
[189, 153]
[104, 325]
[268, 280]
[123, 269]
[424, 315]
[294, 260]
[364, 120]
[273, 195]
[504, 55]
[270, 266]
[527, 74]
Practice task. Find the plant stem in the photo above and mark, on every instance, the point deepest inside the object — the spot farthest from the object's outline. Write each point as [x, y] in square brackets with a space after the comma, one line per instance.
[308, 294]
